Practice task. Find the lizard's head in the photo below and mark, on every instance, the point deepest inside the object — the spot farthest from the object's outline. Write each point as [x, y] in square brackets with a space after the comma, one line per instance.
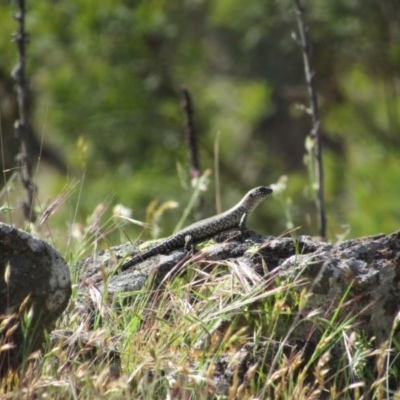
[255, 196]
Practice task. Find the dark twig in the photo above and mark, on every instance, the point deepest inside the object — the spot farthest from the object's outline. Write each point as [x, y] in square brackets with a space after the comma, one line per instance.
[191, 134]
[315, 132]
[22, 126]
[191, 138]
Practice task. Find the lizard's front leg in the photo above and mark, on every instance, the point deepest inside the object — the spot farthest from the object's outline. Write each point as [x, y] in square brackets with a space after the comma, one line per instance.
[242, 226]
[242, 223]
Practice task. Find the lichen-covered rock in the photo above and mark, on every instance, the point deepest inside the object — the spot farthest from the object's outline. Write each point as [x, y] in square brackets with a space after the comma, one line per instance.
[35, 288]
[358, 278]
[367, 269]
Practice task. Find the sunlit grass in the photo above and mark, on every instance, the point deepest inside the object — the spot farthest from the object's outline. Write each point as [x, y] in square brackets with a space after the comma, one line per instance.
[211, 330]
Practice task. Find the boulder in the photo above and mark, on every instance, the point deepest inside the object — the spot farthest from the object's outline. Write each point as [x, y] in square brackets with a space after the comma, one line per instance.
[35, 288]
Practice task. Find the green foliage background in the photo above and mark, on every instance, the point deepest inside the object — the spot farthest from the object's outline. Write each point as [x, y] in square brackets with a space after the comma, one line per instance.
[106, 77]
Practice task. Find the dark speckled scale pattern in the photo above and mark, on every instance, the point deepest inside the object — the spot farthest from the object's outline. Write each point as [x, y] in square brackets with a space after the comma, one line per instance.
[207, 227]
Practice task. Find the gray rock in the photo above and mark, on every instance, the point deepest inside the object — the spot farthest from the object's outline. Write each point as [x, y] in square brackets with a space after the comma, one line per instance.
[358, 278]
[367, 268]
[35, 288]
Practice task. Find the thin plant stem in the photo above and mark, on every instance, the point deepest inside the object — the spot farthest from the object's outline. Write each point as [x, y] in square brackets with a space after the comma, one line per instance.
[22, 125]
[191, 140]
[315, 132]
[216, 168]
